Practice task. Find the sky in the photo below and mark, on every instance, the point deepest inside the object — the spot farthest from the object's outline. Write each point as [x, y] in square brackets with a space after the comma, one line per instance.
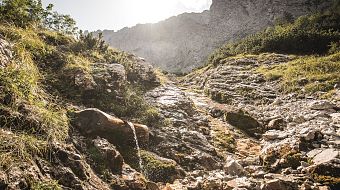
[116, 14]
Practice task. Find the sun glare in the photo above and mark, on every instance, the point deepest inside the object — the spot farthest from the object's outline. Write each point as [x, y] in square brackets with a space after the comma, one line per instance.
[156, 10]
[152, 10]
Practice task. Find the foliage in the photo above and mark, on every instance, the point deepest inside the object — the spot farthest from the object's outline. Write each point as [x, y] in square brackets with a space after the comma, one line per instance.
[24, 103]
[30, 13]
[87, 43]
[310, 73]
[307, 35]
[46, 185]
[22, 13]
[61, 23]
[19, 147]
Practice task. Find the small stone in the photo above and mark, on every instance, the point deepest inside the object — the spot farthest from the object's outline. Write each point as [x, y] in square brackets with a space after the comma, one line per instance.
[304, 164]
[323, 188]
[325, 156]
[299, 119]
[278, 184]
[277, 102]
[234, 168]
[274, 134]
[322, 105]
[278, 124]
[308, 134]
[313, 153]
[287, 171]
[152, 186]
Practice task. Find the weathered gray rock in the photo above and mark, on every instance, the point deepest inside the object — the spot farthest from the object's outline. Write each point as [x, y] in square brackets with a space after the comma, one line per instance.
[113, 158]
[322, 105]
[242, 182]
[278, 124]
[308, 134]
[325, 156]
[278, 184]
[234, 168]
[244, 122]
[187, 139]
[142, 72]
[109, 77]
[274, 135]
[93, 122]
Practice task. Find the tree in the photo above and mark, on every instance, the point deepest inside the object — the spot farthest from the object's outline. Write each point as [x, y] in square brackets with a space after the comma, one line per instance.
[27, 13]
[21, 13]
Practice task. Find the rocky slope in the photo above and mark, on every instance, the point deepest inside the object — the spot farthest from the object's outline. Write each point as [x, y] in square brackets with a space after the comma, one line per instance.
[182, 43]
[221, 127]
[298, 136]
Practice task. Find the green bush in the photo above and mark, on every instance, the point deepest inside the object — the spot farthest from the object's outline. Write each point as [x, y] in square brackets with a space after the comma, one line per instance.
[313, 34]
[30, 13]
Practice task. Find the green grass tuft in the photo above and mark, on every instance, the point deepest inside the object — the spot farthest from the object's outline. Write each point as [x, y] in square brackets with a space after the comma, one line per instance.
[310, 73]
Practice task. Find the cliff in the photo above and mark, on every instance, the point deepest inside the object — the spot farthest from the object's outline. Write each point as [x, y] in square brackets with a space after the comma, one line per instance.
[182, 43]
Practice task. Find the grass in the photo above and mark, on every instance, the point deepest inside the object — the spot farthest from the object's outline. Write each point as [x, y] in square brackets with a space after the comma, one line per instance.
[30, 117]
[22, 91]
[312, 42]
[162, 76]
[16, 148]
[45, 185]
[224, 140]
[312, 73]
[39, 82]
[307, 35]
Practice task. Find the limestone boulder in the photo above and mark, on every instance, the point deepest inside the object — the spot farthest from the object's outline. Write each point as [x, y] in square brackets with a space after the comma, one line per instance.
[322, 105]
[93, 122]
[278, 184]
[109, 152]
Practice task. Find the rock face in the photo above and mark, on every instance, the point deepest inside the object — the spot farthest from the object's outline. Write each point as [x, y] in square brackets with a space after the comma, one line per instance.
[237, 82]
[5, 52]
[244, 122]
[93, 122]
[109, 152]
[300, 140]
[182, 43]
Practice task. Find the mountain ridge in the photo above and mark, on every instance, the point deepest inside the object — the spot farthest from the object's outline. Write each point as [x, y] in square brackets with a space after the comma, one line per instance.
[182, 43]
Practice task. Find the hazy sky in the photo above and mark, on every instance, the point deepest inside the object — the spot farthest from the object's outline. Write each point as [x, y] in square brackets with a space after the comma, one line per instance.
[116, 14]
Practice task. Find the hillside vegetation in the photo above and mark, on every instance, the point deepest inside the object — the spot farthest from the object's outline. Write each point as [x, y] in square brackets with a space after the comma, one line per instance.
[49, 74]
[315, 39]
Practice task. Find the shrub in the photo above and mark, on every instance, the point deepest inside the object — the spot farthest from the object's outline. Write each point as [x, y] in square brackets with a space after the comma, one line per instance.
[312, 34]
[30, 13]
[45, 185]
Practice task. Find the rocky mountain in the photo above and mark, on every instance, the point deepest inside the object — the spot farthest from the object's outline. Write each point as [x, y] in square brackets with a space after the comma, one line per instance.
[76, 114]
[182, 43]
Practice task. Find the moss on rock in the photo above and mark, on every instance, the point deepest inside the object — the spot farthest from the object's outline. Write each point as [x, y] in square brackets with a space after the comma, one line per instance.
[159, 169]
